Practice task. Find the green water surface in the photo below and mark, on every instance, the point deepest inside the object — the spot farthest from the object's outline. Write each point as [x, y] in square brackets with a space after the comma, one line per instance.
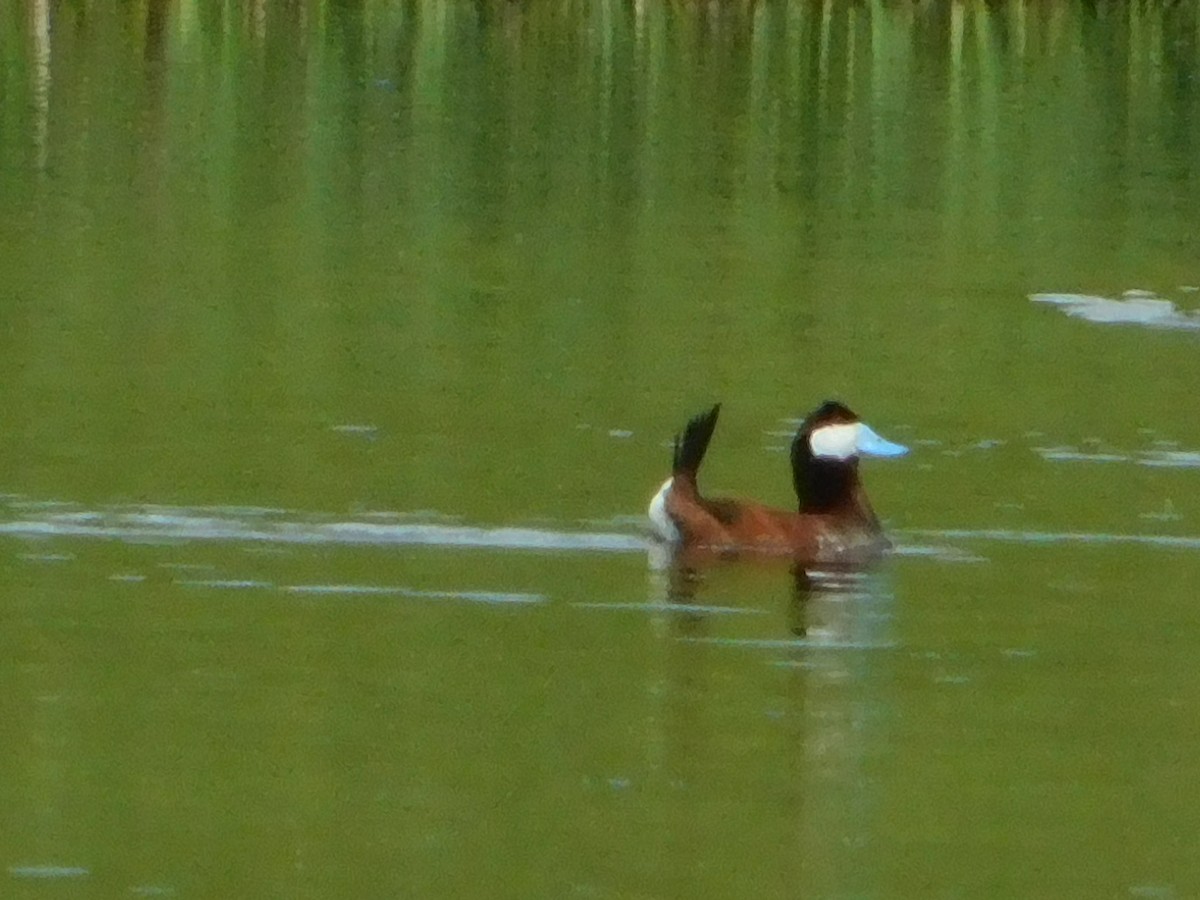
[341, 347]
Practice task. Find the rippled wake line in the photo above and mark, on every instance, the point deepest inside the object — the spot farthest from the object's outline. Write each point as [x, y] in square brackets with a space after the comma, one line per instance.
[165, 524]
[374, 590]
[1059, 537]
[162, 524]
[362, 590]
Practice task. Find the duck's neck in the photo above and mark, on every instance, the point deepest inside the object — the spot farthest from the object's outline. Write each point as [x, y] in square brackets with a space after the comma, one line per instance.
[825, 486]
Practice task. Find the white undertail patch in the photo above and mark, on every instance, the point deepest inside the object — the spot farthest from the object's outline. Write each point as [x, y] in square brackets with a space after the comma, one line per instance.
[660, 521]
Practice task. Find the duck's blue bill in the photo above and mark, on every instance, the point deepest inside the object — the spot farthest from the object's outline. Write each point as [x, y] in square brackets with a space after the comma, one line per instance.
[871, 444]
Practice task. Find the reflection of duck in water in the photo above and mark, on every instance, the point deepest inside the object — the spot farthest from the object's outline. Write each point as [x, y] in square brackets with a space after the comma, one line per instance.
[834, 522]
[815, 601]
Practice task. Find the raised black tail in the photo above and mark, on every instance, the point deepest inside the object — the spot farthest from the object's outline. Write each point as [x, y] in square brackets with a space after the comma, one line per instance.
[692, 444]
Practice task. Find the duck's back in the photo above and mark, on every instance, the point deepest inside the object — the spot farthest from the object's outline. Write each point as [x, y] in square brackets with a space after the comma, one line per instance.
[733, 525]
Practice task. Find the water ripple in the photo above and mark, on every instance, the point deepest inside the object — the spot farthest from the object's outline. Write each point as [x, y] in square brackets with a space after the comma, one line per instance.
[1186, 542]
[387, 591]
[223, 583]
[670, 608]
[161, 524]
[48, 871]
[788, 643]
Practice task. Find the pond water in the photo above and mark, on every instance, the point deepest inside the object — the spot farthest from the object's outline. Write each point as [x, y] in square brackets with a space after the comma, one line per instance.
[342, 348]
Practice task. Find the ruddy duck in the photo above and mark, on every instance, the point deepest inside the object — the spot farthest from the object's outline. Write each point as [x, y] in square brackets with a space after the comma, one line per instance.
[834, 521]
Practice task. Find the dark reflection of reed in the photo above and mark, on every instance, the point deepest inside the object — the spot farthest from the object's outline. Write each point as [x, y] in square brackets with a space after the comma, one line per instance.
[39, 19]
[154, 145]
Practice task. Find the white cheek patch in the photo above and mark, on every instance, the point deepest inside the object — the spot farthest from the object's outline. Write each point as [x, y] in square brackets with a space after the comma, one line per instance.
[851, 439]
[835, 441]
[659, 520]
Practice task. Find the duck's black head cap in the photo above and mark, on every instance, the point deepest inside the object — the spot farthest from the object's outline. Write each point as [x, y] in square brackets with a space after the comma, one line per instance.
[822, 483]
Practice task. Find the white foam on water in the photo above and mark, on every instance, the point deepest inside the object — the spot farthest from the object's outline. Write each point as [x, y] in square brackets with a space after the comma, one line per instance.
[1134, 308]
